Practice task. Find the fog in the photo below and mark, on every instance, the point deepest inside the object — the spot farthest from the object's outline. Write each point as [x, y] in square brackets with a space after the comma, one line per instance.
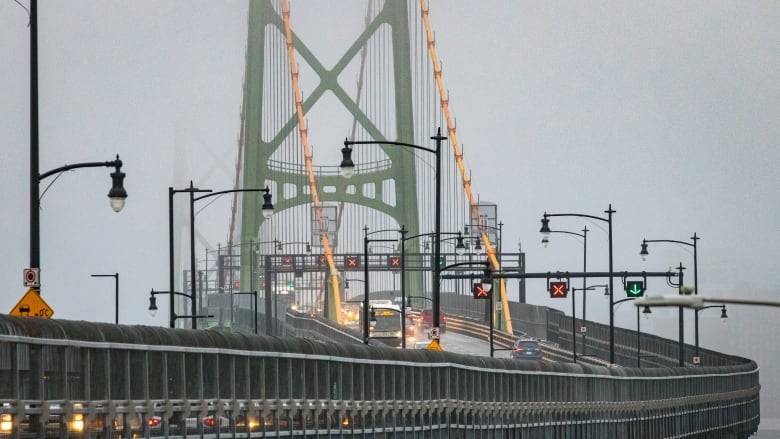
[668, 111]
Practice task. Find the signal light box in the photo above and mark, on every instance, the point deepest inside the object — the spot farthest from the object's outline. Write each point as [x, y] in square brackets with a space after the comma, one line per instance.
[635, 288]
[559, 290]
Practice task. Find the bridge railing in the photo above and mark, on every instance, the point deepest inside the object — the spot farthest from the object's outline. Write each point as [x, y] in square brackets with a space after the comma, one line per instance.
[102, 380]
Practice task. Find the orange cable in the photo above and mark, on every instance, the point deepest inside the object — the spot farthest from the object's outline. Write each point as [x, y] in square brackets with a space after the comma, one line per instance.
[307, 153]
[445, 106]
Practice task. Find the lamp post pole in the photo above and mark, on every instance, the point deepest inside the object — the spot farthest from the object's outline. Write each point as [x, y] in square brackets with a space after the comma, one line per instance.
[487, 286]
[267, 211]
[171, 193]
[366, 283]
[681, 323]
[116, 293]
[723, 315]
[480, 230]
[347, 169]
[545, 230]
[117, 194]
[403, 286]
[584, 236]
[153, 305]
[644, 253]
[460, 249]
[612, 310]
[366, 289]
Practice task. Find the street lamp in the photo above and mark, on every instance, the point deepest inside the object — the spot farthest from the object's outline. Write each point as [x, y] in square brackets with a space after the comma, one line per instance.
[479, 228]
[723, 317]
[347, 170]
[171, 193]
[366, 240]
[460, 249]
[116, 293]
[545, 231]
[584, 290]
[117, 196]
[584, 236]
[646, 312]
[267, 211]
[153, 306]
[644, 253]
[486, 283]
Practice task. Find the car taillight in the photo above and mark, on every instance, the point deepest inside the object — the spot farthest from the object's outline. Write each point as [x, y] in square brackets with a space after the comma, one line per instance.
[209, 422]
[154, 422]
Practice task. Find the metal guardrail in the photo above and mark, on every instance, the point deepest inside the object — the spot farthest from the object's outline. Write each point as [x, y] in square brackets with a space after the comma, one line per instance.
[61, 378]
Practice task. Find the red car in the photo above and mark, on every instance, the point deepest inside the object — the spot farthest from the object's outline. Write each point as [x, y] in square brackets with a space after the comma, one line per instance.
[425, 320]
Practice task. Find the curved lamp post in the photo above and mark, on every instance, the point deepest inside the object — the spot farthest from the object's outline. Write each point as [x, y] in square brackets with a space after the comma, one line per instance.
[267, 212]
[366, 241]
[460, 249]
[117, 196]
[723, 316]
[646, 311]
[153, 305]
[644, 253]
[545, 230]
[347, 170]
[487, 285]
[584, 236]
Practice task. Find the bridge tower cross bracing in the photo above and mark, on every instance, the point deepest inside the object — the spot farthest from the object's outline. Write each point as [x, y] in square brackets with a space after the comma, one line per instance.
[291, 187]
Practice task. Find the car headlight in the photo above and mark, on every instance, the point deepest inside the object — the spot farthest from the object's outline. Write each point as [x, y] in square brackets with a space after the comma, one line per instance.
[6, 423]
[77, 422]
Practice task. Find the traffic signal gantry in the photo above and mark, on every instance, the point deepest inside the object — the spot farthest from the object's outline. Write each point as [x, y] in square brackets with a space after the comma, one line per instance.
[559, 288]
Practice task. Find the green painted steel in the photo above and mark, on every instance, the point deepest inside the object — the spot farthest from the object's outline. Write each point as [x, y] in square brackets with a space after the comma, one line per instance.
[257, 153]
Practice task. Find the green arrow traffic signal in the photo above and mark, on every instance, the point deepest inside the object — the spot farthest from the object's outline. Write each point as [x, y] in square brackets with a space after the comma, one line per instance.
[635, 288]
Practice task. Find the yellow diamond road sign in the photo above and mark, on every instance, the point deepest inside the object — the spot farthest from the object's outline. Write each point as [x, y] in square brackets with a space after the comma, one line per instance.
[32, 305]
[434, 345]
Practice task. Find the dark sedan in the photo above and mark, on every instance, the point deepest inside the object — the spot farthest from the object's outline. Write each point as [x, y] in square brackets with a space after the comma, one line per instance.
[527, 349]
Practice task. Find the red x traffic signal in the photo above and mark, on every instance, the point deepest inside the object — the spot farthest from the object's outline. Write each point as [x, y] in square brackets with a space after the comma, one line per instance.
[559, 290]
[480, 292]
[351, 262]
[394, 262]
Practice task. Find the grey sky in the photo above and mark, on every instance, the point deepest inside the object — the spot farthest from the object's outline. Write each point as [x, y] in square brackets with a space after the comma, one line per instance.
[667, 110]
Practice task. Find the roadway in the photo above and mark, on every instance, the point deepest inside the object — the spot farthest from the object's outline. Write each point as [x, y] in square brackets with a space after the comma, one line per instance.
[453, 342]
